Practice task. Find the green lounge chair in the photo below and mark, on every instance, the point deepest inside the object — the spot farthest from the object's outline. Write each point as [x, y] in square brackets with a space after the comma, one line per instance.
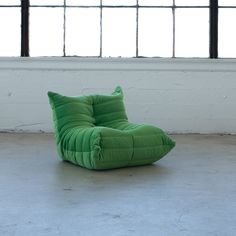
[94, 132]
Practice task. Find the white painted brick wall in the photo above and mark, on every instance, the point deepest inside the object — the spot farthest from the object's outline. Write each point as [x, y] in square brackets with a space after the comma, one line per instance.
[180, 95]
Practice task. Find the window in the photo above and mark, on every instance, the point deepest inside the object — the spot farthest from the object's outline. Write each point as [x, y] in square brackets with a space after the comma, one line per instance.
[10, 26]
[227, 35]
[118, 28]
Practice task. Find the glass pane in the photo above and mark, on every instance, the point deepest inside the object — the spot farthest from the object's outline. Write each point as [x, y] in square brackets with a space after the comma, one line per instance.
[10, 39]
[46, 33]
[155, 2]
[227, 33]
[155, 39]
[9, 2]
[83, 32]
[119, 2]
[119, 32]
[192, 2]
[227, 2]
[47, 2]
[192, 32]
[83, 2]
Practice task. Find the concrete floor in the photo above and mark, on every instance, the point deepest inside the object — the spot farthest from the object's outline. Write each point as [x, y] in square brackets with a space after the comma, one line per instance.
[192, 191]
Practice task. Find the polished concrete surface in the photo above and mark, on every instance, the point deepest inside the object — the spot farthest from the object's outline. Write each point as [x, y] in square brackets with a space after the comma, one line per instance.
[192, 191]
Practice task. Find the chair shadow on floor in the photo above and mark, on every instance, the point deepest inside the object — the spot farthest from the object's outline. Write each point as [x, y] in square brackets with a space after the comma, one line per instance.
[73, 176]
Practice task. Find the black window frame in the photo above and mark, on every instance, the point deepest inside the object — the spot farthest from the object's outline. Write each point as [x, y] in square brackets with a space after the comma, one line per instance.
[213, 24]
[25, 28]
[213, 21]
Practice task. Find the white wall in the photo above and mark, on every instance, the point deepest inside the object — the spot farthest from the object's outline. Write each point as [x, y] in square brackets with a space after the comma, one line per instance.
[179, 95]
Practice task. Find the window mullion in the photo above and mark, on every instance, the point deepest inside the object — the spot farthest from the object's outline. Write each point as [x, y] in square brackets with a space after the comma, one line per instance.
[64, 28]
[137, 23]
[173, 12]
[100, 54]
[24, 28]
[213, 28]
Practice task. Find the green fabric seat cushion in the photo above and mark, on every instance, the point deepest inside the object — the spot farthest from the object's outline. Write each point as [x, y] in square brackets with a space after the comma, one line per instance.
[94, 132]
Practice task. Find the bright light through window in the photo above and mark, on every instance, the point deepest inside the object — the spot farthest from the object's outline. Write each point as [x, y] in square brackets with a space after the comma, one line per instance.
[82, 32]
[227, 2]
[9, 2]
[46, 32]
[119, 33]
[227, 35]
[192, 2]
[117, 28]
[192, 33]
[155, 2]
[155, 40]
[10, 40]
[119, 2]
[47, 2]
[82, 2]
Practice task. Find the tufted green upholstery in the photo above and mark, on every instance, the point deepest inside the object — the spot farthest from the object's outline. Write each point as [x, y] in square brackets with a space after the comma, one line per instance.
[94, 132]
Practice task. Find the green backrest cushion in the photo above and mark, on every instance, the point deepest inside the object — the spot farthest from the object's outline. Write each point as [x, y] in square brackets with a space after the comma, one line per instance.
[71, 112]
[87, 111]
[109, 109]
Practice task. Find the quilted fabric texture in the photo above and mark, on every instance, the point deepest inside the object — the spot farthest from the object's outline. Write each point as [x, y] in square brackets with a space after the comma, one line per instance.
[94, 132]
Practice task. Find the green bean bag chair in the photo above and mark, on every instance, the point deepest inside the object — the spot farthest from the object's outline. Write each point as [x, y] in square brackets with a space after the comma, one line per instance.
[94, 132]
